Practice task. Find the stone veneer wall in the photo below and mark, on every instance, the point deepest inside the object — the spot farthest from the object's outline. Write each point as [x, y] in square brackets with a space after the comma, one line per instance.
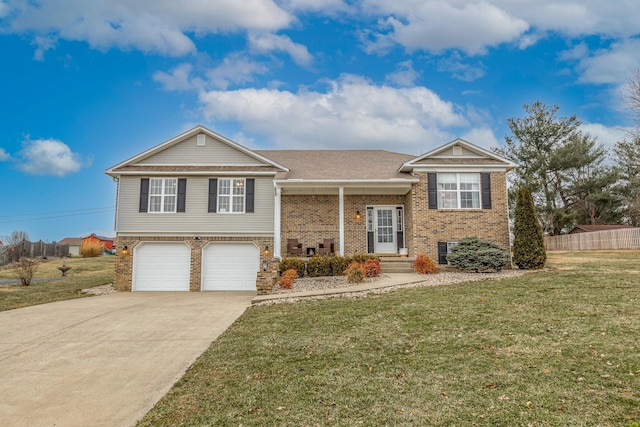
[124, 263]
[310, 219]
[431, 226]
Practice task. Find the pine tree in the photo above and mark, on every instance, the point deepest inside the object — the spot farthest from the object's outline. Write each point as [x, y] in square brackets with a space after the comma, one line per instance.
[528, 243]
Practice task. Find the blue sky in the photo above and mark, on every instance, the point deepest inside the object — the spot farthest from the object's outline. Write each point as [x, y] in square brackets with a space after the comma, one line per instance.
[85, 84]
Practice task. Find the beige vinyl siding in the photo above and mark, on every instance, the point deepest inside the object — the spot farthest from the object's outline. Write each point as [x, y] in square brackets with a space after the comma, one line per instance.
[196, 220]
[213, 152]
[449, 153]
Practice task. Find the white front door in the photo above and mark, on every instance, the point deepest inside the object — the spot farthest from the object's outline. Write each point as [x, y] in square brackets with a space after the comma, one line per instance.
[384, 228]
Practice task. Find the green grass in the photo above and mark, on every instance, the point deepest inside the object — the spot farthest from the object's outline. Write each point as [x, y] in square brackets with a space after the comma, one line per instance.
[551, 348]
[85, 273]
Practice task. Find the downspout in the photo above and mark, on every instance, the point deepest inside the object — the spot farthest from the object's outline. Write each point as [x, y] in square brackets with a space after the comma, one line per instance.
[276, 223]
[341, 210]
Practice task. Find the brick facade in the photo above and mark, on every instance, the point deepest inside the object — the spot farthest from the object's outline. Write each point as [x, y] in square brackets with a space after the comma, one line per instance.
[431, 226]
[124, 262]
[310, 219]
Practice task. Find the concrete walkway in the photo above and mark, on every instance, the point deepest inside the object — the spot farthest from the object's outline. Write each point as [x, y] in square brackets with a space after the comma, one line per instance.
[104, 361]
[390, 279]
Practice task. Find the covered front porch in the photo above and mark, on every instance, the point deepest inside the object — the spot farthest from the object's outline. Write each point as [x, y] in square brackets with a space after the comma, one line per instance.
[358, 217]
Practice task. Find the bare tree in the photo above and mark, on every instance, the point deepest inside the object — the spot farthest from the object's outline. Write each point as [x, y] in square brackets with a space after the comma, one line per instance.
[632, 98]
[15, 237]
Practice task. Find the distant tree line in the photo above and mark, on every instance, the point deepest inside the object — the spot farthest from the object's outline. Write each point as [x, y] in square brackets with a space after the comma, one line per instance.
[566, 170]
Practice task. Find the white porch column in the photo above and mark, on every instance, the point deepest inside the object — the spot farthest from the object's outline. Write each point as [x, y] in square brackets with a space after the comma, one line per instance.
[341, 210]
[276, 224]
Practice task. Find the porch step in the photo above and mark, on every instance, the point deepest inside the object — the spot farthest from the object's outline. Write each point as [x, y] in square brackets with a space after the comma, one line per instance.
[396, 265]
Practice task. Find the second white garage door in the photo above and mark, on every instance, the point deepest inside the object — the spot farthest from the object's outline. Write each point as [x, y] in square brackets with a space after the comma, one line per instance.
[230, 266]
[161, 266]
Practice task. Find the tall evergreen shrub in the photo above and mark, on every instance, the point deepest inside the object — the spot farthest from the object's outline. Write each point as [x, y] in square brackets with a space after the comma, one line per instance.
[528, 243]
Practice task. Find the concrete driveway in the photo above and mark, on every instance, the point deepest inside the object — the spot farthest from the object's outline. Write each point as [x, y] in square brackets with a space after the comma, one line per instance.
[106, 360]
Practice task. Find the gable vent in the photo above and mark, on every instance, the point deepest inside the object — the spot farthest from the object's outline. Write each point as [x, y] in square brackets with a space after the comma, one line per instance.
[457, 150]
[201, 139]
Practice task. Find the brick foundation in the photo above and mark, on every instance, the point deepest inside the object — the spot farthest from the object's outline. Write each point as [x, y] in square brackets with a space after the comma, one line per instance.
[124, 262]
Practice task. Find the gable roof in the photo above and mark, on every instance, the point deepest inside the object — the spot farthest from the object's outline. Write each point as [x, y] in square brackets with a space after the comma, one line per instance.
[585, 228]
[102, 238]
[457, 153]
[71, 241]
[132, 165]
[339, 165]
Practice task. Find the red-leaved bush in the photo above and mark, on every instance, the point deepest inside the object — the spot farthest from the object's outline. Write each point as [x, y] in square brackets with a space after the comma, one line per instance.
[287, 279]
[372, 267]
[424, 265]
[355, 272]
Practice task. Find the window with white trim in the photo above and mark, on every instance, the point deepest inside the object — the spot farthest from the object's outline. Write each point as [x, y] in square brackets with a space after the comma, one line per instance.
[458, 191]
[231, 194]
[162, 194]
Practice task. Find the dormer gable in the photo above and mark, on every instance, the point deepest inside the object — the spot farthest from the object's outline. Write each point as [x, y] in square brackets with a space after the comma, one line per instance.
[459, 154]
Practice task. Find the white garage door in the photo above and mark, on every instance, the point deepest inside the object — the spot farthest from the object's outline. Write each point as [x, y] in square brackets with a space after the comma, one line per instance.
[230, 267]
[161, 266]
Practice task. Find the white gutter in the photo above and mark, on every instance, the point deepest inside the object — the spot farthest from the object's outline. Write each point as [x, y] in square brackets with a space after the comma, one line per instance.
[276, 224]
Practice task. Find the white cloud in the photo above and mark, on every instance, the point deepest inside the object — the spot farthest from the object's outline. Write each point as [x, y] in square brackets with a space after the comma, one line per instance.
[49, 157]
[611, 66]
[159, 26]
[436, 26]
[235, 69]
[4, 156]
[606, 135]
[352, 113]
[325, 6]
[405, 74]
[460, 70]
[482, 137]
[178, 79]
[43, 44]
[472, 26]
[266, 43]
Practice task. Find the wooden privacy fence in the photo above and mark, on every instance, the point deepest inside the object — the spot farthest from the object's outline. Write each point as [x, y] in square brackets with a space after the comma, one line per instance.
[10, 254]
[624, 238]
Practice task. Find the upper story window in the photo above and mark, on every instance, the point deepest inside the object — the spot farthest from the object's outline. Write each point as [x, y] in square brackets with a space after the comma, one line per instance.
[458, 191]
[231, 195]
[163, 194]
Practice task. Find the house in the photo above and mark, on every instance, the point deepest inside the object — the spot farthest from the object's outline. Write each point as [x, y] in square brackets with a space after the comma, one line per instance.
[106, 241]
[74, 245]
[587, 228]
[201, 212]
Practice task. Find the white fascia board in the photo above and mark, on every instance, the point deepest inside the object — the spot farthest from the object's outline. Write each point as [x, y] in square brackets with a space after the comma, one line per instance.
[459, 168]
[345, 183]
[194, 173]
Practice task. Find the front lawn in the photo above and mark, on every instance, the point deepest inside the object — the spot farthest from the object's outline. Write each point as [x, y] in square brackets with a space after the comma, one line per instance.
[553, 348]
[84, 273]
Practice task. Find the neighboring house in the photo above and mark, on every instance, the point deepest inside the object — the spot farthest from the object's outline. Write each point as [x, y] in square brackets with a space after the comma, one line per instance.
[106, 241]
[587, 228]
[201, 212]
[74, 245]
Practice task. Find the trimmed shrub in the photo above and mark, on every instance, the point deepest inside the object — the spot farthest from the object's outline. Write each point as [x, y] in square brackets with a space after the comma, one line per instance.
[528, 243]
[473, 254]
[372, 268]
[318, 266]
[293, 263]
[339, 264]
[424, 265]
[91, 248]
[355, 272]
[287, 279]
[362, 258]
